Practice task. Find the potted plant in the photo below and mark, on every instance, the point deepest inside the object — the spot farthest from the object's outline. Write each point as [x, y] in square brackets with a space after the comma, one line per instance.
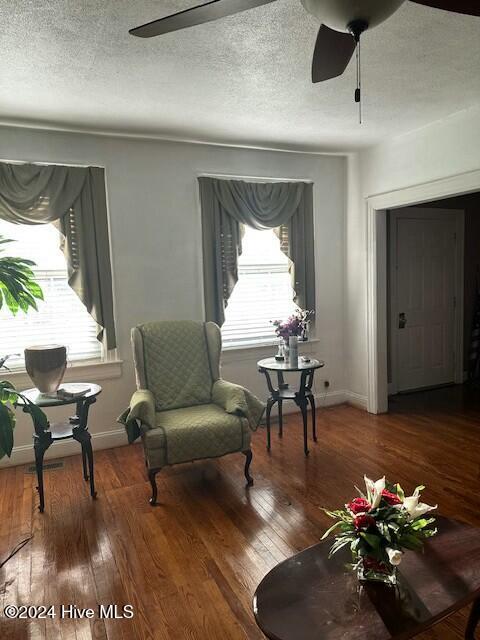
[18, 292]
[378, 526]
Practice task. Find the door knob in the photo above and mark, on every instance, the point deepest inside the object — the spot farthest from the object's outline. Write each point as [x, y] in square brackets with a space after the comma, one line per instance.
[402, 321]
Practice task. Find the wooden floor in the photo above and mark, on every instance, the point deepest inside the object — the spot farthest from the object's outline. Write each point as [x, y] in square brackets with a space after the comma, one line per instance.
[190, 566]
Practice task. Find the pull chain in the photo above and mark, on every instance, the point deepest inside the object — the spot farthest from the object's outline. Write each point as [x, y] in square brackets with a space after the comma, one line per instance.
[358, 90]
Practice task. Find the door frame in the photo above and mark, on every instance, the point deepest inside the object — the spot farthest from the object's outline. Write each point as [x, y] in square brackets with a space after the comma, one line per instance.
[459, 219]
[376, 222]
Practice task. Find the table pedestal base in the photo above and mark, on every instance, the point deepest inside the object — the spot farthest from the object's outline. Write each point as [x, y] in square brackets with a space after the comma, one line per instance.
[473, 621]
[302, 398]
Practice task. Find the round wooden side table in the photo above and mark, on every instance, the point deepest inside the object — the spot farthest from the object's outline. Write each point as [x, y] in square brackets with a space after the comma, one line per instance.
[302, 397]
[76, 427]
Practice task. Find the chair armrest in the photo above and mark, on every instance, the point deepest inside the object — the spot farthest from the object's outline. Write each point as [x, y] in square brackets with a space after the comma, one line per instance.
[238, 401]
[141, 409]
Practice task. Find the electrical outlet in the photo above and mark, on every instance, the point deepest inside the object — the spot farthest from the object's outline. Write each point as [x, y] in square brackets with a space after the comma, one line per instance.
[326, 384]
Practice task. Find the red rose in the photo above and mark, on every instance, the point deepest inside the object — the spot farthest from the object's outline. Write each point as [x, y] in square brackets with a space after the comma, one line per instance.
[371, 564]
[390, 498]
[363, 521]
[359, 505]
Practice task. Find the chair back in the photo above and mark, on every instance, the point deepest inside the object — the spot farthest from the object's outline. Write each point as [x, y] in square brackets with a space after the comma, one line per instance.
[178, 361]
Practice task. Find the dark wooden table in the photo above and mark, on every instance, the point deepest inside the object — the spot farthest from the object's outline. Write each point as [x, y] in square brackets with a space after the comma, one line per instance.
[283, 392]
[76, 427]
[310, 597]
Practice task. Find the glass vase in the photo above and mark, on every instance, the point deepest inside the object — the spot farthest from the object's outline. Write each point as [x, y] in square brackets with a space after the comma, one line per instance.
[293, 350]
[370, 570]
[281, 350]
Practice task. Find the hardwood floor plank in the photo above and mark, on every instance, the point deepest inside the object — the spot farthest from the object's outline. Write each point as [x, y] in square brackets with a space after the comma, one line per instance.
[190, 566]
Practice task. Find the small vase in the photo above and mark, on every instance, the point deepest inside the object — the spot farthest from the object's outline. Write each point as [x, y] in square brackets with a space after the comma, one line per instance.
[370, 570]
[281, 350]
[293, 349]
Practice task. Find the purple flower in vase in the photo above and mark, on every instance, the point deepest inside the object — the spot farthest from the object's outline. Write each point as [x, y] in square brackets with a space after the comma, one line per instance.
[295, 325]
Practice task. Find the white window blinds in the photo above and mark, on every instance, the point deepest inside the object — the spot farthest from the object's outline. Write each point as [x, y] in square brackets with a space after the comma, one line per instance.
[61, 317]
[263, 292]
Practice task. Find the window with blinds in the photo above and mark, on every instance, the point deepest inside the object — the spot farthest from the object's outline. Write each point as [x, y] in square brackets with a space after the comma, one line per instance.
[61, 317]
[263, 292]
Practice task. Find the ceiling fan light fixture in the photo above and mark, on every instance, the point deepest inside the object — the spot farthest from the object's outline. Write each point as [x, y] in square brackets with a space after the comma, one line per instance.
[356, 28]
[340, 14]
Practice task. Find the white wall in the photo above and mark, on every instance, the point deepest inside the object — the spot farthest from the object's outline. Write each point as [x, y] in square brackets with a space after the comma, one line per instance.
[443, 149]
[355, 283]
[156, 244]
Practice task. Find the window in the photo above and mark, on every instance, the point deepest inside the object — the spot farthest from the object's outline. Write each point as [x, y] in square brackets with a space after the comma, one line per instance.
[61, 317]
[263, 292]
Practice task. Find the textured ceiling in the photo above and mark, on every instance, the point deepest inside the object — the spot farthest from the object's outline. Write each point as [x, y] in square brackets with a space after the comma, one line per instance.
[244, 79]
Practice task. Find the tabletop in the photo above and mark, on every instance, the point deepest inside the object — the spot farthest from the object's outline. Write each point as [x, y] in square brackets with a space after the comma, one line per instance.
[309, 597]
[42, 400]
[284, 365]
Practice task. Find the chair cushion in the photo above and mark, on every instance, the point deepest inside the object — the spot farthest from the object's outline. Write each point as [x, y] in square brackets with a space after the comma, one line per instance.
[177, 367]
[192, 433]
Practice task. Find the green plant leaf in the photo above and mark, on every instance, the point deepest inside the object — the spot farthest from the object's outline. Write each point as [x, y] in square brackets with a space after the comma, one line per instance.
[332, 528]
[18, 287]
[7, 423]
[410, 541]
[421, 523]
[339, 543]
[360, 492]
[371, 539]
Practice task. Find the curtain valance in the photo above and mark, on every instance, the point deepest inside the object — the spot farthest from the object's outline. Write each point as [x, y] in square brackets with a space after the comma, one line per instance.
[286, 207]
[261, 205]
[73, 198]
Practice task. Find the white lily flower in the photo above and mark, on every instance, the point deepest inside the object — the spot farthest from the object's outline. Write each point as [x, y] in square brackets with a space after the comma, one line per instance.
[374, 490]
[416, 508]
[394, 555]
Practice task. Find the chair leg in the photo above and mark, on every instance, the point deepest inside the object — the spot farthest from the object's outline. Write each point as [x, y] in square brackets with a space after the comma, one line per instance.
[151, 476]
[249, 455]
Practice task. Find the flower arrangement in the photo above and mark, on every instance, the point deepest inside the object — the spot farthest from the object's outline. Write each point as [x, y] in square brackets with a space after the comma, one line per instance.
[378, 526]
[295, 325]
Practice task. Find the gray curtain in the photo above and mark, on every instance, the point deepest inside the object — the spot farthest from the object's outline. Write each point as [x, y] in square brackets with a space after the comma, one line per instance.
[73, 198]
[286, 207]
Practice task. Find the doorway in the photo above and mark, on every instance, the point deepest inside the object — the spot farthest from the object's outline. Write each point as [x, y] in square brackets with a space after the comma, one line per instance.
[465, 185]
[425, 257]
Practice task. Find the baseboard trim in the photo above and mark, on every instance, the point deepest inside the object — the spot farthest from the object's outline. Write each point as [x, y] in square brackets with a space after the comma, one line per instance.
[330, 399]
[356, 400]
[24, 454]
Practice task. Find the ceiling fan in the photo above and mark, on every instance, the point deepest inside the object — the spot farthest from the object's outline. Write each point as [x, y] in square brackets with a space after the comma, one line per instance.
[342, 24]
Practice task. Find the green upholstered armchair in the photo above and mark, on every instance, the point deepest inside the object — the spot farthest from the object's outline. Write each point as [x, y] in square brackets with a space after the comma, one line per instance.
[183, 411]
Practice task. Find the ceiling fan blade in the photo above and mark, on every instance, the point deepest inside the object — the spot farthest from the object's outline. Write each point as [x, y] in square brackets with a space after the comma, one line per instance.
[469, 7]
[195, 15]
[333, 52]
